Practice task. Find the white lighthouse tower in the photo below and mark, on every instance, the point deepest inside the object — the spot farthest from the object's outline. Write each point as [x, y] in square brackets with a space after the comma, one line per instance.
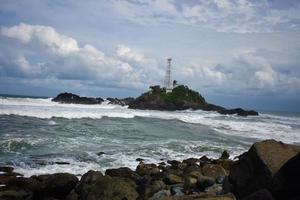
[168, 77]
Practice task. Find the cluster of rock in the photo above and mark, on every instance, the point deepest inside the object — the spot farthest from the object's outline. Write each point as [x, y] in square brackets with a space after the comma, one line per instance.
[270, 170]
[181, 98]
[75, 99]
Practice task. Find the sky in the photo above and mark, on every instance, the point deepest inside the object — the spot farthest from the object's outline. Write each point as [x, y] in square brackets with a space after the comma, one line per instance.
[236, 53]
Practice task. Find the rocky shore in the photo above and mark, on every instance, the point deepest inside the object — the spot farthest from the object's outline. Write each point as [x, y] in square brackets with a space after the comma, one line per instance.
[269, 170]
[181, 98]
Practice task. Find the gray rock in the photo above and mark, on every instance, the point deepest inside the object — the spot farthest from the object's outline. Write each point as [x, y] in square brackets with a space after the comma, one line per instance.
[255, 169]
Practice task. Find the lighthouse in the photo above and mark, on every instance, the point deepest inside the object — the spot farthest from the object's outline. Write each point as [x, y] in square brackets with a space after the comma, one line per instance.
[168, 77]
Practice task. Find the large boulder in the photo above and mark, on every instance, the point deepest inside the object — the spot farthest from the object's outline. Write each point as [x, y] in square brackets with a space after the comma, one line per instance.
[110, 188]
[202, 196]
[213, 170]
[262, 194]
[91, 176]
[285, 184]
[124, 172]
[59, 185]
[15, 195]
[255, 169]
[147, 169]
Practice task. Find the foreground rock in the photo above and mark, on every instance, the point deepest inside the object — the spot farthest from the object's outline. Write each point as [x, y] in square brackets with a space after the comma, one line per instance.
[181, 98]
[73, 98]
[256, 168]
[270, 170]
[285, 184]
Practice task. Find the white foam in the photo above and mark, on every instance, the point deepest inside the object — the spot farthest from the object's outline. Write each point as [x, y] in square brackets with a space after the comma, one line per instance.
[265, 126]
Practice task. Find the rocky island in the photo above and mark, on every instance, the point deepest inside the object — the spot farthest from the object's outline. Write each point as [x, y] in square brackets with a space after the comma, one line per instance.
[180, 98]
[269, 170]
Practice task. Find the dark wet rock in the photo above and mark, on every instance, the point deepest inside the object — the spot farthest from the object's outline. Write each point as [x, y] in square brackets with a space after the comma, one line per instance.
[121, 102]
[59, 185]
[28, 184]
[100, 153]
[139, 159]
[225, 163]
[225, 155]
[147, 169]
[6, 174]
[193, 171]
[127, 100]
[204, 160]
[224, 111]
[55, 185]
[176, 191]
[160, 194]
[255, 169]
[203, 196]
[110, 188]
[91, 176]
[190, 183]
[116, 101]
[205, 181]
[49, 198]
[213, 170]
[73, 98]
[191, 161]
[177, 164]
[285, 184]
[124, 172]
[6, 169]
[15, 195]
[72, 196]
[61, 163]
[170, 179]
[262, 194]
[220, 179]
[149, 189]
[215, 189]
[238, 111]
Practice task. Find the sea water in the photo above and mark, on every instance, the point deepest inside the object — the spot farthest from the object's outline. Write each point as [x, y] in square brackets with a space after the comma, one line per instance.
[38, 136]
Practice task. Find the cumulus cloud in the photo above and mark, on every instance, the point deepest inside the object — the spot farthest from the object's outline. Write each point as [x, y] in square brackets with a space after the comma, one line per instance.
[65, 59]
[246, 73]
[239, 16]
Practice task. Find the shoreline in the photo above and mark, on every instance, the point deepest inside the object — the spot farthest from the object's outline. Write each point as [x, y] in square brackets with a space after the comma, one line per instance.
[192, 178]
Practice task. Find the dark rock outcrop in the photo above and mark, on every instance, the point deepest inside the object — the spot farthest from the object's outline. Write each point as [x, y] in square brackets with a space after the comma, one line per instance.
[110, 188]
[285, 184]
[181, 98]
[75, 99]
[255, 169]
[262, 194]
[121, 102]
[238, 111]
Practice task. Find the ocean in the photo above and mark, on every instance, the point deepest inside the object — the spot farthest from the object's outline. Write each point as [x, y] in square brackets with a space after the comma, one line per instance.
[38, 136]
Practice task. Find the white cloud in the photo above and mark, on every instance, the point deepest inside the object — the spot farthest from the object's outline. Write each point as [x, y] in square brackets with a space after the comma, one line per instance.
[128, 54]
[67, 60]
[247, 73]
[46, 35]
[239, 16]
